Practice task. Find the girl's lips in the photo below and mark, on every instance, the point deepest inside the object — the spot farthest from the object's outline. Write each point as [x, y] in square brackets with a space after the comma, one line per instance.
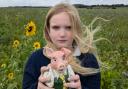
[62, 40]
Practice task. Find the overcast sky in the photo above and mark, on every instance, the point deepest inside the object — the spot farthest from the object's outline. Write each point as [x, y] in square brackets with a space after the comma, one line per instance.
[5, 3]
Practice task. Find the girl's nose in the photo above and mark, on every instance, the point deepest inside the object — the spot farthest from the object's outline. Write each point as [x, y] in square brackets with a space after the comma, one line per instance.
[62, 32]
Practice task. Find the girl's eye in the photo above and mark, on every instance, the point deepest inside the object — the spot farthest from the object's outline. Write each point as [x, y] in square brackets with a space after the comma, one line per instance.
[55, 27]
[68, 28]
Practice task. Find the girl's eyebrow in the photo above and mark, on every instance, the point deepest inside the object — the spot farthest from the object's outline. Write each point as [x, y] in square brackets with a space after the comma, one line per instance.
[58, 26]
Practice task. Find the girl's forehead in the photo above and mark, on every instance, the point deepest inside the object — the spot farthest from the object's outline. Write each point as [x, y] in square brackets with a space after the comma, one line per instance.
[60, 16]
[60, 19]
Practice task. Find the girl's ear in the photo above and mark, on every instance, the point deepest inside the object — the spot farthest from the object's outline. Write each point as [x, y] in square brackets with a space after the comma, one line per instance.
[48, 51]
[66, 51]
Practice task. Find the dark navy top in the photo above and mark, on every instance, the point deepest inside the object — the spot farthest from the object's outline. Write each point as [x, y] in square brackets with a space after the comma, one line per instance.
[37, 60]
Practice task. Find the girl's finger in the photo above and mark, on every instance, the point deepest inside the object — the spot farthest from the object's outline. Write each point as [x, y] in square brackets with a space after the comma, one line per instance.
[43, 69]
[74, 78]
[42, 86]
[43, 79]
[72, 85]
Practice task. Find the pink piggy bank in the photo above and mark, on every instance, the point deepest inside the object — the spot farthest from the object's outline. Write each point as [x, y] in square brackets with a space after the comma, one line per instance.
[59, 69]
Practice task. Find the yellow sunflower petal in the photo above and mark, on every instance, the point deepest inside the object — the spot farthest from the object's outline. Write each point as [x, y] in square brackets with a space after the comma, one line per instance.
[3, 65]
[10, 75]
[30, 29]
[15, 44]
[36, 45]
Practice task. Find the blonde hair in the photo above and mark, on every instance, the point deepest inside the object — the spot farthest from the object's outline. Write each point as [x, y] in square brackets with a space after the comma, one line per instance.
[83, 41]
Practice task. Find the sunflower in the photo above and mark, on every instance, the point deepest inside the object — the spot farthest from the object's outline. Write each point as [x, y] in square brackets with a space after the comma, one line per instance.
[15, 44]
[30, 29]
[36, 45]
[3, 65]
[10, 75]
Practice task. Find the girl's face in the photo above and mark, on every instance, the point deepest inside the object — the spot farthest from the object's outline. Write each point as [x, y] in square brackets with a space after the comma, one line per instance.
[60, 30]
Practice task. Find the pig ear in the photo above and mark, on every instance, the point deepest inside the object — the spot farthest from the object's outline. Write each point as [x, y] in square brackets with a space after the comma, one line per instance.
[66, 51]
[48, 51]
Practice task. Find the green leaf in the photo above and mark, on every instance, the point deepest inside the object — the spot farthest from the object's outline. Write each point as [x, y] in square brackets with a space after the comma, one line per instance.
[12, 86]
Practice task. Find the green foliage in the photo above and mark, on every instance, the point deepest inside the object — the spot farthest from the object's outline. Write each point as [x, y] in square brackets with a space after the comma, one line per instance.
[12, 27]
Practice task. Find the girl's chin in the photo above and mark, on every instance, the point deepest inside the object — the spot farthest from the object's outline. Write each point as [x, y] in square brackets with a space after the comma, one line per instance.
[62, 47]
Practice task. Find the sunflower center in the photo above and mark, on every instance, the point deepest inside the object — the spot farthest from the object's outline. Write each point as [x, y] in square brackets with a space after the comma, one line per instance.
[15, 43]
[11, 75]
[36, 45]
[30, 29]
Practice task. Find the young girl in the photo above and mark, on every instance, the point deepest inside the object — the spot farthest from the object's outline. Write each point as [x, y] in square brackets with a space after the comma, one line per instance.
[63, 29]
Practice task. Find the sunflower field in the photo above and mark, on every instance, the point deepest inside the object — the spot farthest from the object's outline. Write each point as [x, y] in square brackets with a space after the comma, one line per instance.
[21, 33]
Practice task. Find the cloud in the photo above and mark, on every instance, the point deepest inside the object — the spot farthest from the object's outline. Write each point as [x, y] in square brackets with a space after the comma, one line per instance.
[4, 3]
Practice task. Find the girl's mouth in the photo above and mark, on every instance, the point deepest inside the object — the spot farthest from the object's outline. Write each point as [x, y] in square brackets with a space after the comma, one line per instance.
[61, 41]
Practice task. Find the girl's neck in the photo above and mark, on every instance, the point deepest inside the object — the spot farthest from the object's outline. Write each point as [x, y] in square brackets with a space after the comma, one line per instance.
[70, 48]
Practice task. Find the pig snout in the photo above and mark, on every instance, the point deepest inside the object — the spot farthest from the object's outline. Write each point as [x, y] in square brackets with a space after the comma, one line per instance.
[61, 67]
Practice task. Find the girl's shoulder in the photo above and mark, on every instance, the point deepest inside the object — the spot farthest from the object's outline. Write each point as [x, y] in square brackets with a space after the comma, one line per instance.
[88, 60]
[86, 56]
[38, 57]
[38, 53]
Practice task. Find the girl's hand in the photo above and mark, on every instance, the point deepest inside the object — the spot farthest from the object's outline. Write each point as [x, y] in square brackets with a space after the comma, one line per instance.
[74, 82]
[42, 79]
